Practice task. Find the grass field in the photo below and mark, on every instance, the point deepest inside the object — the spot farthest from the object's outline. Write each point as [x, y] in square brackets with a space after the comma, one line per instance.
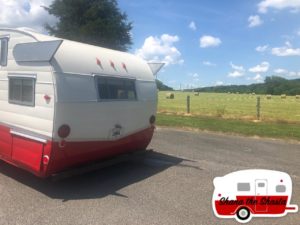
[247, 128]
[232, 113]
[232, 106]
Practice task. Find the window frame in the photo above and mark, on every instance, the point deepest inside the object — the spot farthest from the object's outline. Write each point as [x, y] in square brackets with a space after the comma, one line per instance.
[107, 77]
[4, 50]
[32, 78]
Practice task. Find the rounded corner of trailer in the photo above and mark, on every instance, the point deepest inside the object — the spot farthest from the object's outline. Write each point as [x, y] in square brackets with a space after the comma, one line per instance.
[216, 180]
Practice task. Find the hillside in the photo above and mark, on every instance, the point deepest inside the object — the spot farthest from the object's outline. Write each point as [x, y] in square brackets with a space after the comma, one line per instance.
[273, 85]
[163, 87]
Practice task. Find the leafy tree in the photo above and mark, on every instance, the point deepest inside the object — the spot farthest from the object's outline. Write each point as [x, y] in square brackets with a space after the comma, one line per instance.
[96, 22]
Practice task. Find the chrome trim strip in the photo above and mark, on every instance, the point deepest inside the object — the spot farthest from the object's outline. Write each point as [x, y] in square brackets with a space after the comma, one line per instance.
[21, 75]
[25, 131]
[28, 136]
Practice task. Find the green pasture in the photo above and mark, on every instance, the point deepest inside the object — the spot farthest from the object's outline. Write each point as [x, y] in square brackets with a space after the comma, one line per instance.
[232, 106]
[232, 126]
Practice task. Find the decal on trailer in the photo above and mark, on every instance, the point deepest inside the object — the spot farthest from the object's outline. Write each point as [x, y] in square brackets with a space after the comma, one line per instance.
[253, 193]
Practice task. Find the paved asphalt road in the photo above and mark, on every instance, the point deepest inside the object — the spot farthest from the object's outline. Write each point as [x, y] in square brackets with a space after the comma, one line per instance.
[172, 185]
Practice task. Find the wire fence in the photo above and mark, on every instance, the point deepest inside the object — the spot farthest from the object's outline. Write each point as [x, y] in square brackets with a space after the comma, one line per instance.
[237, 106]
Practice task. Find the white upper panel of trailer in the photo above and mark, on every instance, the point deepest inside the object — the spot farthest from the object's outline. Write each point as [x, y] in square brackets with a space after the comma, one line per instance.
[76, 58]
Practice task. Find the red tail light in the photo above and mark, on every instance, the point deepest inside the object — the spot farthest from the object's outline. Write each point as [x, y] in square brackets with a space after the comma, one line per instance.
[64, 131]
[45, 160]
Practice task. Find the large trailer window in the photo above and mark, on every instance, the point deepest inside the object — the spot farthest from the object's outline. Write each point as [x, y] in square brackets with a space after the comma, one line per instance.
[75, 88]
[110, 88]
[21, 91]
[3, 51]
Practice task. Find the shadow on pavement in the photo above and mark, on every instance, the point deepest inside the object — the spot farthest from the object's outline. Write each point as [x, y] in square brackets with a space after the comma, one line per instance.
[97, 184]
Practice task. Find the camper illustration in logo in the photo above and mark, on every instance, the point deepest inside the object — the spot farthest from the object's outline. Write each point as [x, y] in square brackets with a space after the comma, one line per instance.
[253, 193]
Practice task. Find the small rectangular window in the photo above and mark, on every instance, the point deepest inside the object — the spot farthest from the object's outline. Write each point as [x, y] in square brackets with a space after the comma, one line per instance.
[22, 91]
[3, 51]
[146, 90]
[110, 88]
[243, 186]
[280, 188]
[261, 185]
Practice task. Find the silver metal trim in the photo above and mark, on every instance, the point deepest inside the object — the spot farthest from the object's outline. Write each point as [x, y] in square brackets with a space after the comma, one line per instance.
[103, 74]
[5, 36]
[45, 82]
[26, 131]
[21, 75]
[28, 136]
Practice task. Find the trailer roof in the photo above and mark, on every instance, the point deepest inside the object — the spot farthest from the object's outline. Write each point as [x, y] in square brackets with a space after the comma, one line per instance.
[78, 58]
[75, 57]
[30, 32]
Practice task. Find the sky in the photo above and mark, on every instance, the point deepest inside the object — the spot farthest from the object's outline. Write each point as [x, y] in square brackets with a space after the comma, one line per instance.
[202, 42]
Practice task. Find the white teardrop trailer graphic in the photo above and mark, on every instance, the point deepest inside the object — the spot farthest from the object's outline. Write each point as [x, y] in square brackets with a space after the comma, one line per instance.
[253, 193]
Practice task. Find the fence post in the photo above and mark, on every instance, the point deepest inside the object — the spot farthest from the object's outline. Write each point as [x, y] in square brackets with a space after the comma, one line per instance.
[258, 108]
[188, 104]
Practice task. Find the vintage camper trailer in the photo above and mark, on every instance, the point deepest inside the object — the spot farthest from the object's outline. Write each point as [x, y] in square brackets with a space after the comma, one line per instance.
[64, 103]
[253, 193]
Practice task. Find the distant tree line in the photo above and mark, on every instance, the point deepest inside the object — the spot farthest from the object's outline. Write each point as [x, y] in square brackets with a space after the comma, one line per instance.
[273, 85]
[162, 87]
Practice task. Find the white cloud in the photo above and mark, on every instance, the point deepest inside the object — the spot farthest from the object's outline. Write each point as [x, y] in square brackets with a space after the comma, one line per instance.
[208, 63]
[261, 68]
[286, 50]
[236, 74]
[280, 71]
[263, 6]
[298, 33]
[193, 26]
[169, 39]
[262, 48]
[160, 49]
[25, 13]
[209, 41]
[219, 83]
[285, 72]
[293, 74]
[195, 75]
[254, 21]
[238, 71]
[257, 78]
[236, 67]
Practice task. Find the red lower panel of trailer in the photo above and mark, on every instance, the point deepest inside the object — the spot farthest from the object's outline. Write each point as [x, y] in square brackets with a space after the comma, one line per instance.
[44, 159]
